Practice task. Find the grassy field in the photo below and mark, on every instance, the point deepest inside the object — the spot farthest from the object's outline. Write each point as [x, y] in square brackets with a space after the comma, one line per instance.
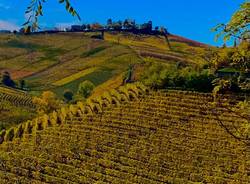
[73, 77]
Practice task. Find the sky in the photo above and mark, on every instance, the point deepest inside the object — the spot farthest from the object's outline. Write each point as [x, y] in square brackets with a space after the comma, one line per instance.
[192, 19]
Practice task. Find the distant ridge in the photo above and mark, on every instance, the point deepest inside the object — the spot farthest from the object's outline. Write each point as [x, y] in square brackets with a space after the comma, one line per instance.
[190, 42]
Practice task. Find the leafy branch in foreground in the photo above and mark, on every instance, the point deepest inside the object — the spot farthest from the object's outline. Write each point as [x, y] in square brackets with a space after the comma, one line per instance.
[35, 10]
[238, 26]
[233, 104]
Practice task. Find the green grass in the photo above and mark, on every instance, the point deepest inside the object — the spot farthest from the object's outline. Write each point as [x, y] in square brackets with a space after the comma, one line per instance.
[228, 70]
[97, 77]
[74, 77]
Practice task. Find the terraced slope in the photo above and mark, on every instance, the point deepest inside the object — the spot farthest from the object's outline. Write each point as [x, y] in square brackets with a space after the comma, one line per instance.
[161, 137]
[155, 48]
[15, 106]
[16, 97]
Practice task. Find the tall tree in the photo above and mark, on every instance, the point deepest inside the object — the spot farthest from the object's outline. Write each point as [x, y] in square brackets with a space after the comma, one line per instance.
[6, 79]
[109, 23]
[238, 26]
[165, 33]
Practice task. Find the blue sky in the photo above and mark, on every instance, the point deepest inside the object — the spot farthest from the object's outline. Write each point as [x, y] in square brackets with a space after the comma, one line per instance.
[192, 19]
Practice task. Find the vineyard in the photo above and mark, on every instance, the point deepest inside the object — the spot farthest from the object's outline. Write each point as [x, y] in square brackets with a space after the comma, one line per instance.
[16, 97]
[128, 135]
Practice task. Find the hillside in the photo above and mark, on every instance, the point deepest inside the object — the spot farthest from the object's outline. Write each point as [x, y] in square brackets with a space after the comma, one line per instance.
[60, 61]
[144, 137]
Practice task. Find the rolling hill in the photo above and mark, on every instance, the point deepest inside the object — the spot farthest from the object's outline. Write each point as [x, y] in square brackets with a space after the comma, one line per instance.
[121, 134]
[60, 61]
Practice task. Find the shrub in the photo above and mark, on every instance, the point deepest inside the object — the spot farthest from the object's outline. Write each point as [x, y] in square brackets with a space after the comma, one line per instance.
[6, 79]
[68, 95]
[85, 89]
[159, 76]
[22, 84]
[47, 102]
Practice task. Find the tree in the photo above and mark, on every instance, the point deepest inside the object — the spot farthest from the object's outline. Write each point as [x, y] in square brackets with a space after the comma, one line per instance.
[96, 26]
[109, 24]
[47, 103]
[84, 26]
[128, 75]
[238, 26]
[6, 79]
[85, 89]
[35, 10]
[241, 57]
[22, 84]
[129, 24]
[117, 25]
[147, 27]
[88, 26]
[235, 43]
[68, 95]
[165, 33]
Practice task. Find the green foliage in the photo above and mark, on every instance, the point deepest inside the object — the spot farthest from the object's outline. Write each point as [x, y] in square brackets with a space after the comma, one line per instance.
[159, 76]
[238, 26]
[128, 75]
[6, 80]
[241, 57]
[85, 88]
[238, 57]
[68, 95]
[48, 102]
[35, 10]
[22, 84]
[236, 62]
